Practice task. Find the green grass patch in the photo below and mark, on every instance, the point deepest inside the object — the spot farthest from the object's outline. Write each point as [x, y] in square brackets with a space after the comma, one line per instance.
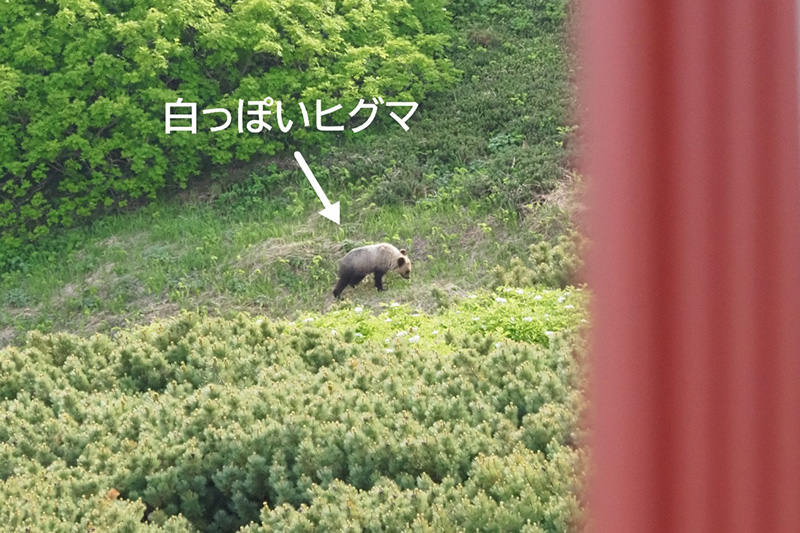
[171, 256]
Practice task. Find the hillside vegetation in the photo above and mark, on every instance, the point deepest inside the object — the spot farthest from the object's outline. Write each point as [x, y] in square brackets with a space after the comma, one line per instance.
[477, 180]
[179, 363]
[344, 422]
[83, 88]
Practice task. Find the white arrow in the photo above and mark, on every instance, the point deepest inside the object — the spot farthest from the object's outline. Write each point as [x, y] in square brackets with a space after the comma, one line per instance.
[331, 211]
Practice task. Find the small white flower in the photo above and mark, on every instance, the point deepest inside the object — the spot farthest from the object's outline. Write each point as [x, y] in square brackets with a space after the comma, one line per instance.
[519, 291]
[561, 299]
[414, 328]
[394, 304]
[333, 332]
[472, 296]
[513, 319]
[359, 334]
[402, 333]
[527, 319]
[388, 320]
[584, 321]
[497, 345]
[415, 314]
[569, 306]
[414, 339]
[500, 300]
[567, 293]
[259, 321]
[436, 332]
[389, 350]
[358, 309]
[475, 318]
[549, 333]
[309, 319]
[537, 297]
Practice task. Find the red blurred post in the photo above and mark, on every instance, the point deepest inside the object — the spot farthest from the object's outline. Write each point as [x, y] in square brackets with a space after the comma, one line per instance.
[692, 128]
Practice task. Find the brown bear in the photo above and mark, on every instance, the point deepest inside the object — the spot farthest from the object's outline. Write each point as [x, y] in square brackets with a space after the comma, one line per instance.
[377, 259]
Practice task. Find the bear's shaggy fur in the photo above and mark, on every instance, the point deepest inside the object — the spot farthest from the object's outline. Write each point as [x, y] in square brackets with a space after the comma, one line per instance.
[377, 259]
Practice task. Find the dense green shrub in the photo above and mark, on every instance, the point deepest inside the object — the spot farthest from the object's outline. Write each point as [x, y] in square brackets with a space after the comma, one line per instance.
[335, 422]
[556, 264]
[83, 85]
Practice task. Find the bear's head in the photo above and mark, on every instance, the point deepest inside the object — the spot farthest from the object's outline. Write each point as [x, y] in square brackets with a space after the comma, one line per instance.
[403, 266]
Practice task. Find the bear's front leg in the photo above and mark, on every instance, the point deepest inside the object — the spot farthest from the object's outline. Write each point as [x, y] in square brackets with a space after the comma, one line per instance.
[379, 280]
[340, 286]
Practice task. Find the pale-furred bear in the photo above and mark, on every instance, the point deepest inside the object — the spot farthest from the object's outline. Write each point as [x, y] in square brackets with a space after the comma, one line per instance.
[377, 259]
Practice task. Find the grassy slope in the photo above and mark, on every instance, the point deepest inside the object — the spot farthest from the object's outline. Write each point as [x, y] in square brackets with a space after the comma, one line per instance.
[457, 191]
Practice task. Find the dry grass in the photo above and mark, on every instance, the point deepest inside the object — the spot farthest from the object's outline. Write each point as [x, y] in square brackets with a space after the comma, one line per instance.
[265, 253]
[569, 195]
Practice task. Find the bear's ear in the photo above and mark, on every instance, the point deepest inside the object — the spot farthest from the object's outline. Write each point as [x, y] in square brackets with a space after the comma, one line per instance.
[403, 251]
[401, 261]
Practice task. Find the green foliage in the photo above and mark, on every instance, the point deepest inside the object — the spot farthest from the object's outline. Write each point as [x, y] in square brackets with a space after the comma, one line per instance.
[521, 12]
[83, 88]
[59, 501]
[522, 491]
[503, 134]
[456, 421]
[552, 265]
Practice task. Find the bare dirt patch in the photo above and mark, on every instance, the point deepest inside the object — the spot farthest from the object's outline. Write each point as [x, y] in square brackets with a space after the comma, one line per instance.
[418, 296]
[7, 336]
